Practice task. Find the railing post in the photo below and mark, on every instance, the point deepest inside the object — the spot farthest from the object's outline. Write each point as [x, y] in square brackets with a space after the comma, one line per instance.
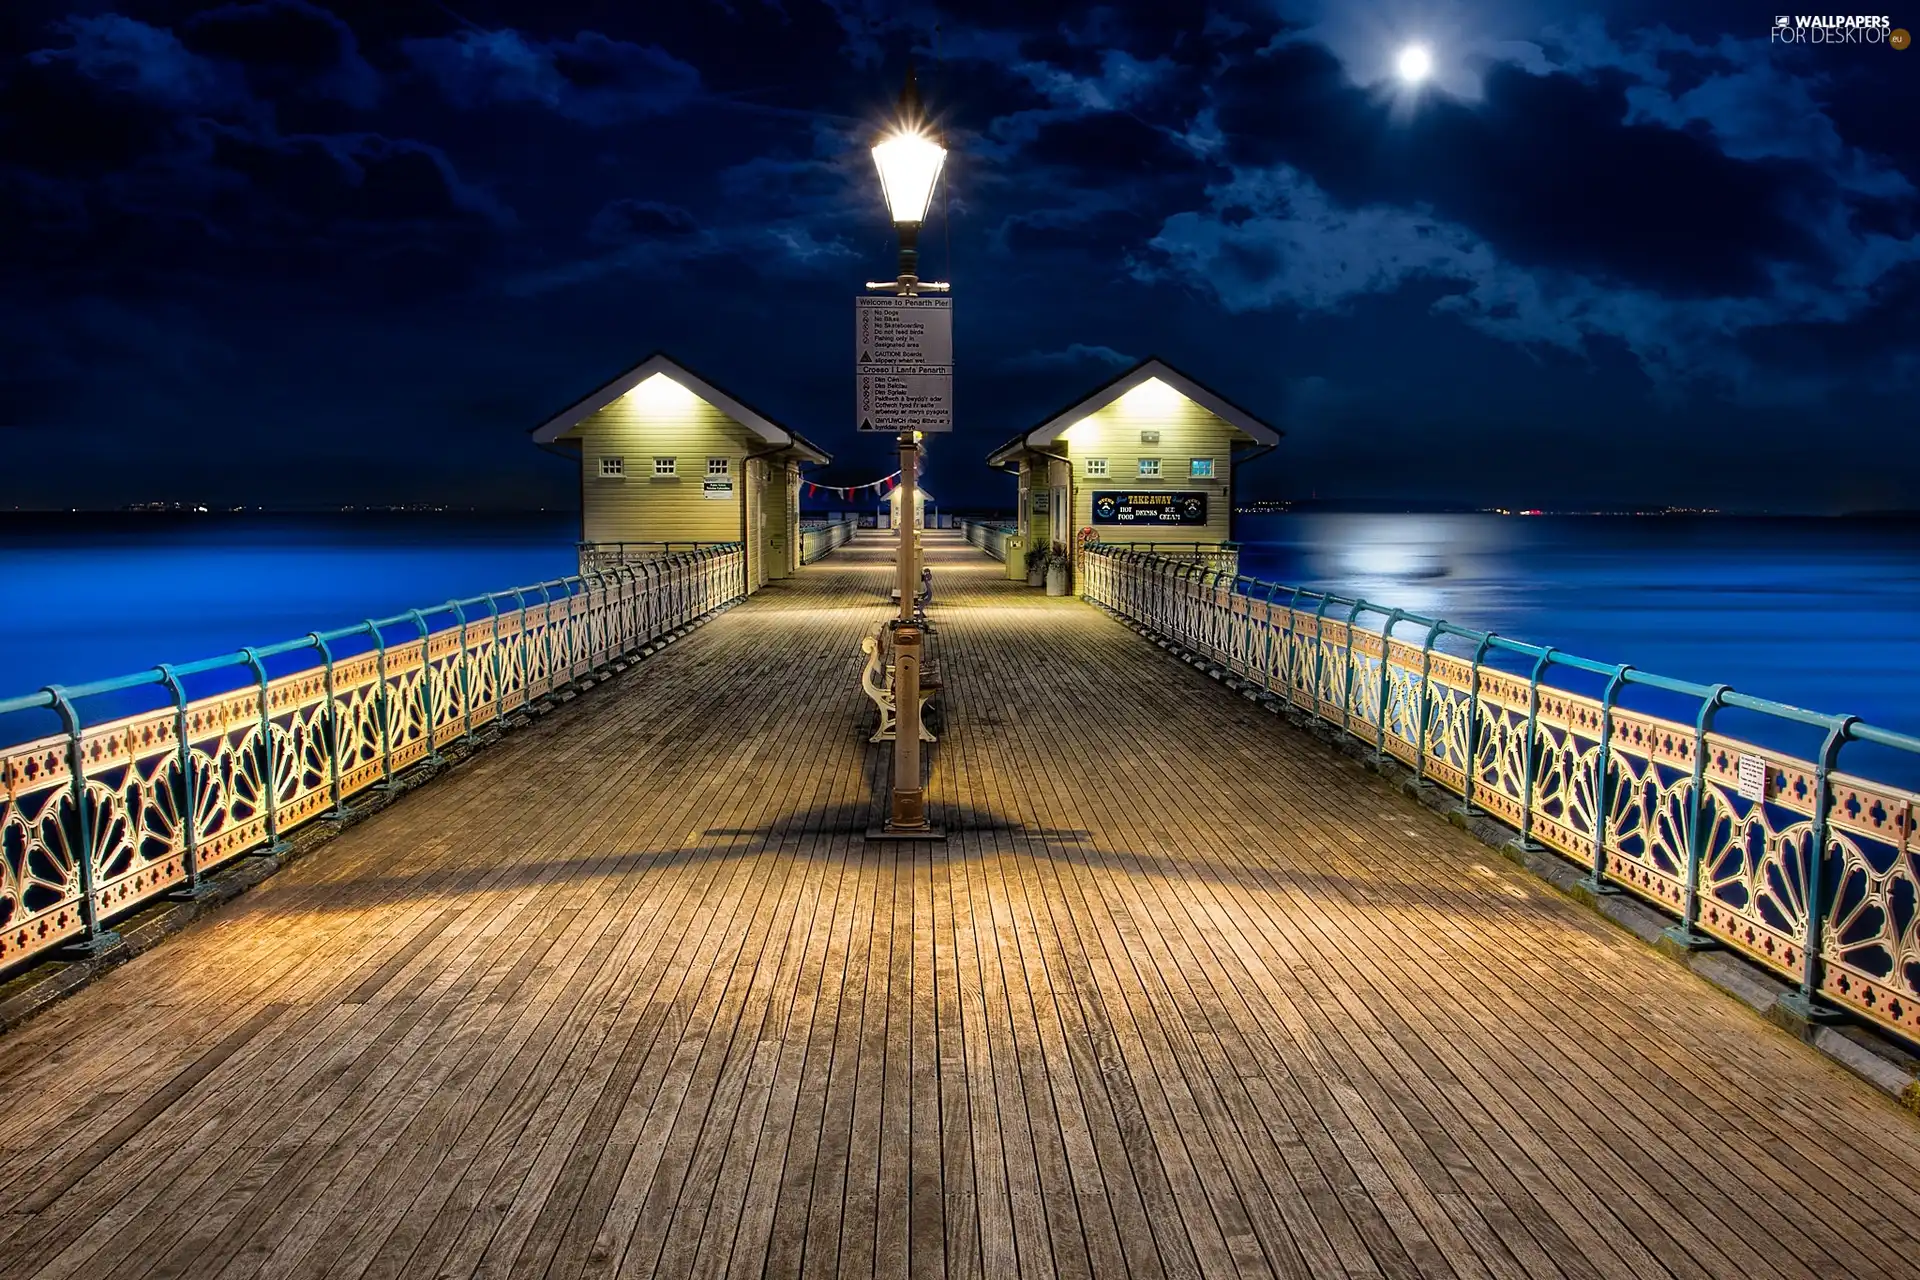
[1525, 842]
[649, 591]
[1386, 662]
[526, 662]
[272, 752]
[1319, 653]
[1595, 881]
[466, 683]
[571, 636]
[573, 624]
[189, 785]
[383, 704]
[1469, 763]
[1804, 1002]
[93, 939]
[1346, 695]
[1426, 703]
[1266, 660]
[1205, 591]
[426, 684]
[546, 630]
[596, 617]
[1291, 659]
[493, 658]
[629, 627]
[1685, 934]
[333, 725]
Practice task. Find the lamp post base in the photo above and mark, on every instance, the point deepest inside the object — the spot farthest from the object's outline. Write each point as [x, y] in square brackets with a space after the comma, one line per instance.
[891, 832]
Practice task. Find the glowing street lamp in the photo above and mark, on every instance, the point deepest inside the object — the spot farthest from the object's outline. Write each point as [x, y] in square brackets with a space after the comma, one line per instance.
[909, 157]
[909, 165]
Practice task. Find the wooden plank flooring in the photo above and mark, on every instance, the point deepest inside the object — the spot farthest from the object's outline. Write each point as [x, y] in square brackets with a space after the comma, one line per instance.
[1184, 994]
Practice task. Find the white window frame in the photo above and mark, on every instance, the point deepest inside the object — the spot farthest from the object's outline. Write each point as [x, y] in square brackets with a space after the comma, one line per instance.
[1195, 471]
[613, 466]
[1149, 468]
[665, 468]
[719, 467]
[1096, 468]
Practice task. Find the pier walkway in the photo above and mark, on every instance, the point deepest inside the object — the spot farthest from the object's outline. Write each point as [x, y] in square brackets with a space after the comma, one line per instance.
[1185, 993]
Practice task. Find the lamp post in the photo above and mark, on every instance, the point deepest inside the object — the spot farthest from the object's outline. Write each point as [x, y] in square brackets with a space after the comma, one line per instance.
[909, 158]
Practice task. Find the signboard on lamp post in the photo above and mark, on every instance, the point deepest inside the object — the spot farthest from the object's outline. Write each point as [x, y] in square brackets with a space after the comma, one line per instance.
[903, 364]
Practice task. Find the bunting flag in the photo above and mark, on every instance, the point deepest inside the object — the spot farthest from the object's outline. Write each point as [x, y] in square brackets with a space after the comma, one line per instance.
[885, 485]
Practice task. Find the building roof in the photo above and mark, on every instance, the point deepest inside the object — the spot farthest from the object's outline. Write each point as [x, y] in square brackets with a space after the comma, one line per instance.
[659, 362]
[1050, 430]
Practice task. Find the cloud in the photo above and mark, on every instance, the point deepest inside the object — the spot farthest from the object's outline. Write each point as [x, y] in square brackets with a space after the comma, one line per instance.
[623, 221]
[287, 46]
[591, 79]
[1691, 202]
[128, 57]
[158, 157]
[1106, 145]
[363, 178]
[1074, 355]
[1553, 169]
[1275, 239]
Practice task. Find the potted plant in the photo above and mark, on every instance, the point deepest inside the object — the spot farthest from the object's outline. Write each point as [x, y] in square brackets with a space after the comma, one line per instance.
[1059, 570]
[1037, 557]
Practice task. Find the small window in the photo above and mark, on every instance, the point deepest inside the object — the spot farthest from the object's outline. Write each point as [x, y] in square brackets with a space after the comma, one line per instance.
[1150, 467]
[1096, 466]
[1201, 469]
[719, 466]
[613, 468]
[663, 467]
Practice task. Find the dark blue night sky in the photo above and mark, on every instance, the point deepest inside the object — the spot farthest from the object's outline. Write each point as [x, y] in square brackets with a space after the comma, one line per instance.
[297, 253]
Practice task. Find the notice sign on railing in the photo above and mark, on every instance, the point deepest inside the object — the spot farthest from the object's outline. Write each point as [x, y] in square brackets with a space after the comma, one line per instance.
[1150, 508]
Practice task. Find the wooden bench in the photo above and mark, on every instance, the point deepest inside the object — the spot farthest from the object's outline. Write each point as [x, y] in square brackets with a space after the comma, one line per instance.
[876, 680]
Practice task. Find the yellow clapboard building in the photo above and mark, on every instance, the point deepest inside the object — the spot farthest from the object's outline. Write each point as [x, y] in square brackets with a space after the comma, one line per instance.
[1149, 457]
[667, 457]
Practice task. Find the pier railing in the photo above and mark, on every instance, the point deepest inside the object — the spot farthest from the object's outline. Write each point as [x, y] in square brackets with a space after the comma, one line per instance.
[1720, 832]
[603, 556]
[821, 538]
[1223, 556]
[989, 535]
[98, 818]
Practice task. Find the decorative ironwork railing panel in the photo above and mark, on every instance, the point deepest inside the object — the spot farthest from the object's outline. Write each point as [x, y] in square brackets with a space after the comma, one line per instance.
[100, 818]
[1816, 875]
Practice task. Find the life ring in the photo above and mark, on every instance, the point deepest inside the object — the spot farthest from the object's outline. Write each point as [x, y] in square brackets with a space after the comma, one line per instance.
[1089, 535]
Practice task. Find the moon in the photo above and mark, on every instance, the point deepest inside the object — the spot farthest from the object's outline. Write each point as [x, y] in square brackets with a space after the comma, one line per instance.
[1414, 63]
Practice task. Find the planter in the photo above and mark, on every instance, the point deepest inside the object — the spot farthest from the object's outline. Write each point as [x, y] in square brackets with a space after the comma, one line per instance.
[1037, 573]
[1057, 580]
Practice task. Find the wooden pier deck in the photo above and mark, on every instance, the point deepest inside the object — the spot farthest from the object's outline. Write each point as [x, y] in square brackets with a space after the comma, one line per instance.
[1185, 994]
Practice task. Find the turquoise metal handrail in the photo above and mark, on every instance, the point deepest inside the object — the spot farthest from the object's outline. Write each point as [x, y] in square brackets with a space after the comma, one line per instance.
[821, 538]
[96, 819]
[989, 535]
[1649, 806]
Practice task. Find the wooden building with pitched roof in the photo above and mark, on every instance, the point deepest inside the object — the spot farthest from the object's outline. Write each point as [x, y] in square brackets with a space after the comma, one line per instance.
[668, 457]
[1148, 456]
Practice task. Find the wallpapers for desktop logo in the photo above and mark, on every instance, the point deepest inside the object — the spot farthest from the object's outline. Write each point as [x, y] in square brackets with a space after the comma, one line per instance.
[1838, 28]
